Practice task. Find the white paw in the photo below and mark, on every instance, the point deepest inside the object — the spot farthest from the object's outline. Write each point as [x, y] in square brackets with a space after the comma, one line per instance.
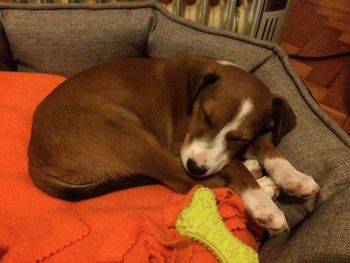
[253, 167]
[264, 211]
[300, 185]
[290, 180]
[269, 187]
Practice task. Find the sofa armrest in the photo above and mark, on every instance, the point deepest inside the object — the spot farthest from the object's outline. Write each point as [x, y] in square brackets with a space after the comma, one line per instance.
[324, 236]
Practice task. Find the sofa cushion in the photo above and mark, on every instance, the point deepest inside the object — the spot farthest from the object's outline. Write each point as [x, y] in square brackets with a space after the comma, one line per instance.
[68, 40]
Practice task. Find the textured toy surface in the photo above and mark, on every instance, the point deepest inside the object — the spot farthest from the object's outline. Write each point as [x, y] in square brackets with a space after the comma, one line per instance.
[202, 222]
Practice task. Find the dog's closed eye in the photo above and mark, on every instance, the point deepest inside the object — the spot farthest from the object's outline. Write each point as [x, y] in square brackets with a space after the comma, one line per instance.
[206, 116]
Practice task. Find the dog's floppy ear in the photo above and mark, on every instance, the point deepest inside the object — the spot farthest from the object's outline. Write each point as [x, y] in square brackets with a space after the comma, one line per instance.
[283, 119]
[197, 80]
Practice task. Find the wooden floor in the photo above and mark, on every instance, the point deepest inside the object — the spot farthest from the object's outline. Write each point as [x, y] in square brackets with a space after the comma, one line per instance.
[318, 27]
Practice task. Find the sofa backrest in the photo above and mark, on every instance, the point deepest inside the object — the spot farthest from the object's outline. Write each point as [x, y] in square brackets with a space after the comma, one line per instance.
[173, 36]
[65, 39]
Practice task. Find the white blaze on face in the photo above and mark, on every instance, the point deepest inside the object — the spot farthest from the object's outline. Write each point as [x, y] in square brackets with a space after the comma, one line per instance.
[214, 154]
[228, 63]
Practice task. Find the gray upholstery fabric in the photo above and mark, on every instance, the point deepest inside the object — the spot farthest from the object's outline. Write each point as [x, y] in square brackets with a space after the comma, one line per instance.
[65, 39]
[322, 237]
[68, 41]
[323, 161]
[172, 36]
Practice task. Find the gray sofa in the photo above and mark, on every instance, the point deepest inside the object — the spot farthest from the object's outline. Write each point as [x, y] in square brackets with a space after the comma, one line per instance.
[65, 39]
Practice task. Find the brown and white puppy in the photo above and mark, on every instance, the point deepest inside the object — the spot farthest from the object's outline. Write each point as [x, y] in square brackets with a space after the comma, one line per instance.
[138, 121]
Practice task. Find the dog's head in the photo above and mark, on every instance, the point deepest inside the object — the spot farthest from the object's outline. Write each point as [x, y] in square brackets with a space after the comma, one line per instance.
[228, 108]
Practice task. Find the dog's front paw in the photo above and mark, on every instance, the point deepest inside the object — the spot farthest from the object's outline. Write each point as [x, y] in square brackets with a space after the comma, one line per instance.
[290, 180]
[300, 185]
[269, 187]
[264, 211]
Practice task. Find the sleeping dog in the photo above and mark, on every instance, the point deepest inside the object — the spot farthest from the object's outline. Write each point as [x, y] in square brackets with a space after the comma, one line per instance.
[179, 121]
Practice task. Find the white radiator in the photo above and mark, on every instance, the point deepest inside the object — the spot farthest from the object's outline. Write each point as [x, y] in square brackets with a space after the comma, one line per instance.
[261, 19]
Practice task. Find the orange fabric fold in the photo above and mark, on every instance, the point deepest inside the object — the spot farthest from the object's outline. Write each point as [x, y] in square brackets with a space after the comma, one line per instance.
[133, 225]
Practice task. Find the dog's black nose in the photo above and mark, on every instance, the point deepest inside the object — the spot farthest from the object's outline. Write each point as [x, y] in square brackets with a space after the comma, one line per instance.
[194, 169]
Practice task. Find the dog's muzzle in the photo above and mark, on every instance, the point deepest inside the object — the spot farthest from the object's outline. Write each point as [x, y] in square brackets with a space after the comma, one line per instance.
[202, 157]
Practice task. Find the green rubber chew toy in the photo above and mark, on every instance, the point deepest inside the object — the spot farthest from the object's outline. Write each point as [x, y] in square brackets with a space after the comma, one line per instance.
[202, 222]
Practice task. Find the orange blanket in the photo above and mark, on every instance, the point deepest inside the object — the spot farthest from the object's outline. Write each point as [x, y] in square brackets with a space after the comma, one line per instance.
[133, 225]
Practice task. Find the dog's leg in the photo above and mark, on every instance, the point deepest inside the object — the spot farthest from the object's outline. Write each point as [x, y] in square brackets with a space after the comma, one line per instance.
[265, 182]
[160, 164]
[253, 167]
[146, 156]
[281, 171]
[258, 203]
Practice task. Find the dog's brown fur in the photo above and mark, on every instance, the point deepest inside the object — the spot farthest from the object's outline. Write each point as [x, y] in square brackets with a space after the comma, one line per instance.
[123, 123]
